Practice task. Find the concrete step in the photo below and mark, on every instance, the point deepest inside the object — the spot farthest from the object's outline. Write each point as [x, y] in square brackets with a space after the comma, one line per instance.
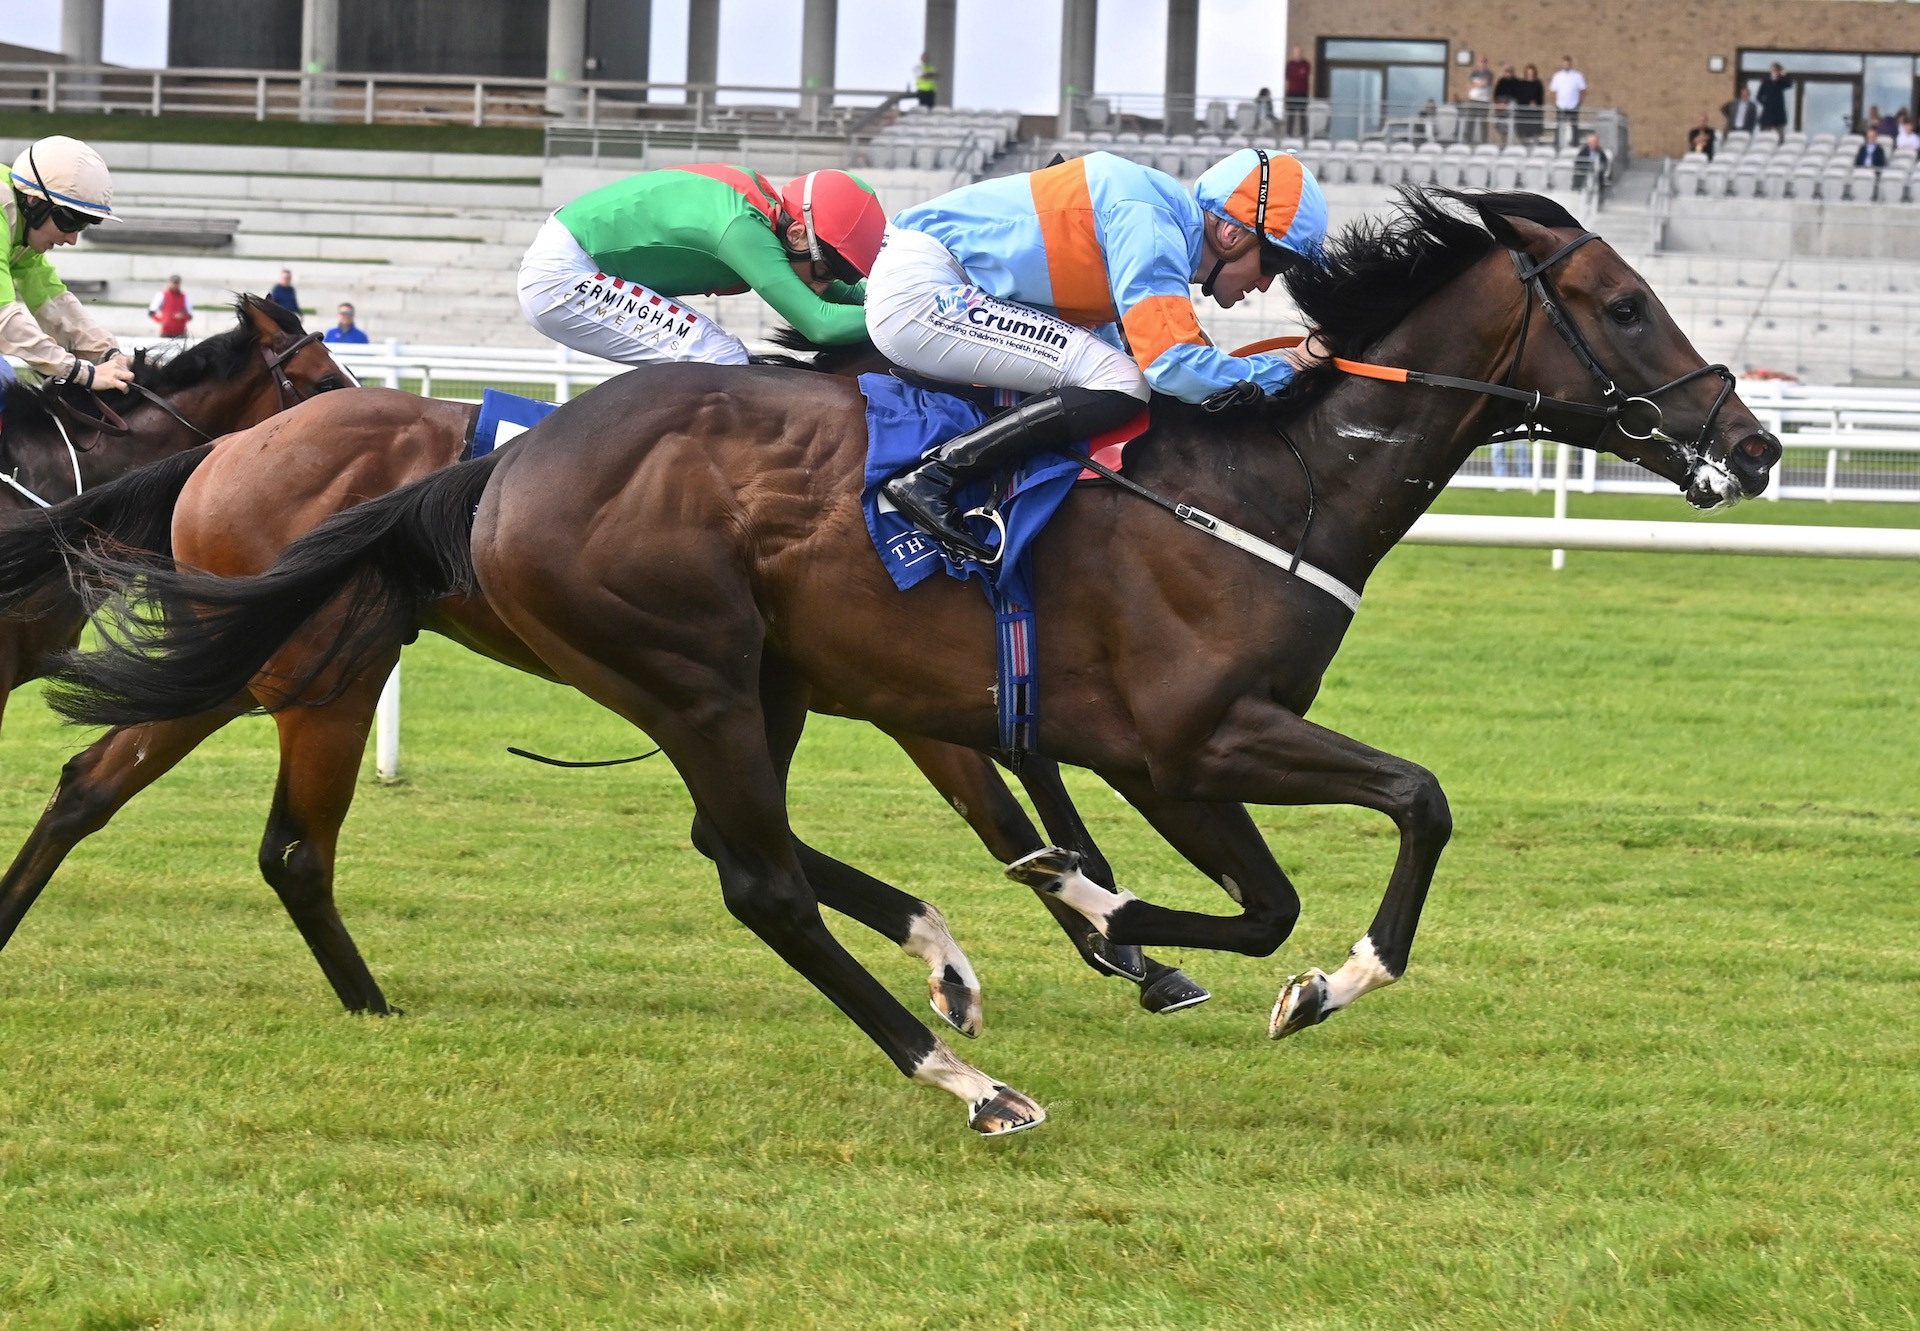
[243, 159]
[209, 189]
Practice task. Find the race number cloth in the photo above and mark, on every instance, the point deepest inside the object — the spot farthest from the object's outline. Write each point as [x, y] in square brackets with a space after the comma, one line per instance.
[504, 415]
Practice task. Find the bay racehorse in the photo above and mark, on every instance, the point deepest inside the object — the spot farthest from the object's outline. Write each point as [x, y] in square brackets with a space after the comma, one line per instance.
[233, 507]
[688, 549]
[54, 449]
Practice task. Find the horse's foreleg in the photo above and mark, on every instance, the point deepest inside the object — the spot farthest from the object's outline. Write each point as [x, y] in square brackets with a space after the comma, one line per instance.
[95, 784]
[973, 787]
[320, 751]
[1263, 754]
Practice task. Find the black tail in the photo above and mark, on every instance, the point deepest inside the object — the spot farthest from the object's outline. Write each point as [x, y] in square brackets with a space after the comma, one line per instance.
[130, 517]
[192, 641]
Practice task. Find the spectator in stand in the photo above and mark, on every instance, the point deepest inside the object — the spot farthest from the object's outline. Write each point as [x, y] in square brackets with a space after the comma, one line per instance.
[1474, 115]
[283, 293]
[1741, 113]
[1568, 86]
[1701, 138]
[1528, 97]
[1263, 109]
[172, 309]
[1590, 163]
[1299, 87]
[1772, 96]
[1872, 153]
[346, 330]
[926, 82]
[1888, 124]
[1506, 95]
[1906, 139]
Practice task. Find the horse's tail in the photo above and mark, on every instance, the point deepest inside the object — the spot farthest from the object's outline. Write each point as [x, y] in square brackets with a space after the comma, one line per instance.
[130, 517]
[188, 642]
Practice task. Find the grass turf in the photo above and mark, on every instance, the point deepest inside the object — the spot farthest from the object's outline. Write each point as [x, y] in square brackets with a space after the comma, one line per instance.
[1652, 1065]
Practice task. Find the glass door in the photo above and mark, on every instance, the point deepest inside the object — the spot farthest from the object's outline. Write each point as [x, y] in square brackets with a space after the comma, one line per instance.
[1828, 105]
[1355, 93]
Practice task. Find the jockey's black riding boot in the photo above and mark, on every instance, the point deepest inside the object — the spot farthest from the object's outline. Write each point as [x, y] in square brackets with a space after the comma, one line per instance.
[1046, 420]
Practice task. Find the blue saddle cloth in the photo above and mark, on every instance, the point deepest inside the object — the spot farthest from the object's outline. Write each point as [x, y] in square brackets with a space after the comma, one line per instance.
[903, 424]
[504, 415]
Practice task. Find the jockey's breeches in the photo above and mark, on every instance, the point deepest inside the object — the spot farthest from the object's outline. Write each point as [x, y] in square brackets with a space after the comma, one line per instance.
[926, 315]
[567, 299]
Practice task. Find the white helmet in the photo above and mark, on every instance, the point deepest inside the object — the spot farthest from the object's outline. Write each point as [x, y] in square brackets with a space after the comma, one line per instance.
[67, 174]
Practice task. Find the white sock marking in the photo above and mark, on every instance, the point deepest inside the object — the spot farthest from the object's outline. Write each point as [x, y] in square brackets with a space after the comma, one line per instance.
[929, 940]
[1362, 972]
[941, 1069]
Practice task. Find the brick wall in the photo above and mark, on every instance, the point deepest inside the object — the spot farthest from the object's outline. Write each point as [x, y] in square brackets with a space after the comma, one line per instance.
[1647, 57]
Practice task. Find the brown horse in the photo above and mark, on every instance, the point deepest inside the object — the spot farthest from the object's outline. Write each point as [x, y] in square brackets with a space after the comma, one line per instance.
[688, 550]
[236, 506]
[265, 364]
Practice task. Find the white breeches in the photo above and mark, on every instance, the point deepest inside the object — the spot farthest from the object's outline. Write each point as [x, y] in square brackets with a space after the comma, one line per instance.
[567, 299]
[926, 316]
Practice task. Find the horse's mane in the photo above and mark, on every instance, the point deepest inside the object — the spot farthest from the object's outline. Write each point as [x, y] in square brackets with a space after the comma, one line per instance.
[1378, 269]
[810, 355]
[223, 356]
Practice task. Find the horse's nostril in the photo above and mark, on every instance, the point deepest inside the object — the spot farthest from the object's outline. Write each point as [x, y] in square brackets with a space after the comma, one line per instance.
[1754, 448]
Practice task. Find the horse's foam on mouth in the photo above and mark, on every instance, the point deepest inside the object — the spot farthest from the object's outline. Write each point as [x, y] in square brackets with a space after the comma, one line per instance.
[1714, 478]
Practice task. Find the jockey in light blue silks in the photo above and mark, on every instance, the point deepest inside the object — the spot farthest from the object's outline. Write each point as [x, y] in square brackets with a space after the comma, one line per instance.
[1073, 284]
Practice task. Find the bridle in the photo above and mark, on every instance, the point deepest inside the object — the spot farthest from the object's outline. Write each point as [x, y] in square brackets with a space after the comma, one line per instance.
[1638, 417]
[109, 422]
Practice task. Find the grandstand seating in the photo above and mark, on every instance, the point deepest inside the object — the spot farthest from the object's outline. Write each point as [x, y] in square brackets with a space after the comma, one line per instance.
[1801, 167]
[966, 143]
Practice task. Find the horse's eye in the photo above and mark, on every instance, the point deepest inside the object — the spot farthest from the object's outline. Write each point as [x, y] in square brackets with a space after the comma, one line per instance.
[328, 384]
[1625, 311]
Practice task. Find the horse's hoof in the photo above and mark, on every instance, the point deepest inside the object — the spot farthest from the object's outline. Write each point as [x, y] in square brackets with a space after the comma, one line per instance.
[1171, 992]
[957, 1005]
[1122, 959]
[1044, 868]
[1302, 1003]
[1005, 1111]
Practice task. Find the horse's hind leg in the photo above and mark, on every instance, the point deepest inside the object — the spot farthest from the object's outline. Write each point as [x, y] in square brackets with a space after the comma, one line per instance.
[320, 751]
[95, 785]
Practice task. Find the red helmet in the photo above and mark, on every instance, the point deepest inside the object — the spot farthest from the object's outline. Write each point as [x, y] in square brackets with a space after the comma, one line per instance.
[844, 220]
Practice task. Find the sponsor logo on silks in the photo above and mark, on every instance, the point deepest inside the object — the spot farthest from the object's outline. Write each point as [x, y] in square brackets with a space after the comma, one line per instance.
[613, 300]
[954, 302]
[1032, 330]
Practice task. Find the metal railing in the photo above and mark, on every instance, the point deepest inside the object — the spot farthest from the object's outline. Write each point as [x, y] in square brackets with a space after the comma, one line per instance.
[351, 97]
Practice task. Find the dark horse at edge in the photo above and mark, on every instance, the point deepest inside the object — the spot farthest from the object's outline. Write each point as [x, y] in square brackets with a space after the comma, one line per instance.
[717, 577]
[264, 364]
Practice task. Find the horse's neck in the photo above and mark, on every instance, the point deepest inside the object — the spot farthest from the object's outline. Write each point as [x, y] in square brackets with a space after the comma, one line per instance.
[1381, 452]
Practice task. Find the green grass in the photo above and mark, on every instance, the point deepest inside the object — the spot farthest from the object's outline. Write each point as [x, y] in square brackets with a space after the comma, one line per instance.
[273, 133]
[1653, 1066]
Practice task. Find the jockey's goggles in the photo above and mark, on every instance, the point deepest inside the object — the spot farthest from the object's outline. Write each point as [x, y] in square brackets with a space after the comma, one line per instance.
[66, 219]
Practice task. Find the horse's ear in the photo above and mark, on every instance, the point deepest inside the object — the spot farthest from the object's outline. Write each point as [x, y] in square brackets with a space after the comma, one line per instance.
[1516, 233]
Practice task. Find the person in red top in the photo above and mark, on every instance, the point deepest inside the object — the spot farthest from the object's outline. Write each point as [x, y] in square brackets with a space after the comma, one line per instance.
[172, 309]
[1299, 88]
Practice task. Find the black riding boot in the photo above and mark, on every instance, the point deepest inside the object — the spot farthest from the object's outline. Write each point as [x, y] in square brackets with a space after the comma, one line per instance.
[1046, 420]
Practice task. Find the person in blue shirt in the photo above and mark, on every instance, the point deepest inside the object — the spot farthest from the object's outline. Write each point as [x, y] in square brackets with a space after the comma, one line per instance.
[346, 330]
[1073, 283]
[283, 293]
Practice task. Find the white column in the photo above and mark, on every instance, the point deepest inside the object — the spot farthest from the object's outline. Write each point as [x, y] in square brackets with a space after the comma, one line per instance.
[703, 50]
[818, 28]
[1183, 62]
[566, 54]
[319, 57]
[1078, 25]
[80, 28]
[939, 45]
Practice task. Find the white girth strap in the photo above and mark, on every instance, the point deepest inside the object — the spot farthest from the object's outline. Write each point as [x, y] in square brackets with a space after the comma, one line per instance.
[7, 478]
[1221, 529]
